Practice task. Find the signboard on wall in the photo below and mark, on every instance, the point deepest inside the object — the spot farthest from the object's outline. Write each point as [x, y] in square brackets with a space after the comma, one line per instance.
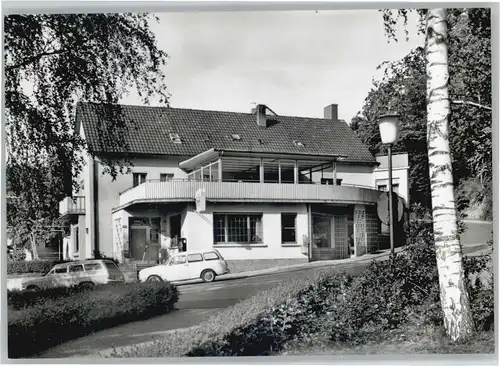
[201, 200]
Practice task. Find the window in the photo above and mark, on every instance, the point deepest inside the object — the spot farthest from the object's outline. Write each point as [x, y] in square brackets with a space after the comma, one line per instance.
[164, 177]
[210, 256]
[92, 266]
[329, 181]
[288, 227]
[76, 268]
[111, 265]
[58, 270]
[181, 259]
[77, 240]
[139, 178]
[236, 137]
[175, 138]
[238, 228]
[195, 258]
[384, 188]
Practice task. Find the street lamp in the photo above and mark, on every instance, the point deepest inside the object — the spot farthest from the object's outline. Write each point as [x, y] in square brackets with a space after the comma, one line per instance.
[389, 131]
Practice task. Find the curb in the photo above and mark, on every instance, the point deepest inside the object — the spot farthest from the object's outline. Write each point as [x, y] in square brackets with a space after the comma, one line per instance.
[296, 268]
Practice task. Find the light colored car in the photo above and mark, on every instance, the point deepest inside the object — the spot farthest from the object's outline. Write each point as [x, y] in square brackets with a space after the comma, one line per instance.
[79, 273]
[187, 266]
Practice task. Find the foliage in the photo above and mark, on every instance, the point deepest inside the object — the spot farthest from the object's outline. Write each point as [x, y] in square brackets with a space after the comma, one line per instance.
[32, 212]
[51, 62]
[34, 329]
[22, 267]
[216, 330]
[403, 88]
[100, 255]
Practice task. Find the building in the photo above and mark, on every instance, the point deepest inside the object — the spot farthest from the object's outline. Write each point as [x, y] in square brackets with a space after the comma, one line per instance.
[263, 189]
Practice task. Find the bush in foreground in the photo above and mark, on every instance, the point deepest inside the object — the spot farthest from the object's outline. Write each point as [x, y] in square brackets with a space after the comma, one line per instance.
[17, 299]
[260, 325]
[34, 329]
[23, 267]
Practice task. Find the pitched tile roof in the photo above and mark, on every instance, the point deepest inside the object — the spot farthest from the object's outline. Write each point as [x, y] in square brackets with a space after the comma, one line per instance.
[149, 130]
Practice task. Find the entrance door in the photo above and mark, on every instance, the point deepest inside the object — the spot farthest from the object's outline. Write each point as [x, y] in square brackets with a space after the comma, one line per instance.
[138, 242]
[322, 238]
[175, 229]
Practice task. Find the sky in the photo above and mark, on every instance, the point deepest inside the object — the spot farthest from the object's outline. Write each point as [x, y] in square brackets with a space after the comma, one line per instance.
[295, 62]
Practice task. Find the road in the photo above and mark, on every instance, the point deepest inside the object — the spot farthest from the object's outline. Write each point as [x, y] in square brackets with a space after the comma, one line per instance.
[198, 302]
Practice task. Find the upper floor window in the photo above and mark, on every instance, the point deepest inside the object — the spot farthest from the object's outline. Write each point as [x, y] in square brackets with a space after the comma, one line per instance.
[139, 178]
[164, 177]
[329, 181]
[288, 227]
[385, 188]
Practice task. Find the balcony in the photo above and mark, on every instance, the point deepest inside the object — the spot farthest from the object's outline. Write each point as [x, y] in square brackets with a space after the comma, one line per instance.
[185, 191]
[72, 206]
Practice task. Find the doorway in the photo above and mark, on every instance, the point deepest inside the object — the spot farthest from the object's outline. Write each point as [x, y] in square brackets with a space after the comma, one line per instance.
[175, 230]
[144, 239]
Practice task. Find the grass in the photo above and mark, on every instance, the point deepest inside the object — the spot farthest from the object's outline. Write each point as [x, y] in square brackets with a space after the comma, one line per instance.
[408, 339]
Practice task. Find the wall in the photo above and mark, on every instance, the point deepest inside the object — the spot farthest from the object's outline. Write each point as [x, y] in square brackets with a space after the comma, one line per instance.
[108, 191]
[399, 173]
[199, 228]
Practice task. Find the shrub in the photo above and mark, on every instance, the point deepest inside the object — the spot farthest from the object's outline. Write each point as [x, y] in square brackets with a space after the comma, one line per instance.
[59, 319]
[17, 299]
[259, 325]
[22, 267]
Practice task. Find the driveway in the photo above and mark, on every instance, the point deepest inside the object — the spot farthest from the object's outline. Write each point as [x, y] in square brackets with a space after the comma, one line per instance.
[198, 302]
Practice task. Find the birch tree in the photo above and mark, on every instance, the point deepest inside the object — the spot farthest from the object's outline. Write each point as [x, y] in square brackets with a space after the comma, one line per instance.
[455, 303]
[454, 297]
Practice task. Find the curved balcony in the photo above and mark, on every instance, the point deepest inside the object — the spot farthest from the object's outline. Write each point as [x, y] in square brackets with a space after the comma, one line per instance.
[185, 191]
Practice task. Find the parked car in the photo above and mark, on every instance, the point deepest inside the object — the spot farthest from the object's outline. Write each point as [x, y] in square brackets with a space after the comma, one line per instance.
[187, 266]
[78, 273]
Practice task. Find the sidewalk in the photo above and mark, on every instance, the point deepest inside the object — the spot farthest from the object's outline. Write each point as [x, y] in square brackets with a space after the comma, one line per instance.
[298, 267]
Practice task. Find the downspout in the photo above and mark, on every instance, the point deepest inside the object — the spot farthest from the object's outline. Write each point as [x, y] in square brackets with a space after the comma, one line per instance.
[309, 227]
[95, 208]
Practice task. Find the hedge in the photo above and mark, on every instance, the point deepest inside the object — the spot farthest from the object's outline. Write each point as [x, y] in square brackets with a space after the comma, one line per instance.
[40, 266]
[34, 329]
[259, 325]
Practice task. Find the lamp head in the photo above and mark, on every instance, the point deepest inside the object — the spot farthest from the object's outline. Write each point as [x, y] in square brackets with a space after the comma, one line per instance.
[388, 125]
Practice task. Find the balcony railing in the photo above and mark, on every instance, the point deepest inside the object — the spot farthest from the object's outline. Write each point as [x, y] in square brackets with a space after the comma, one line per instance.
[72, 206]
[179, 190]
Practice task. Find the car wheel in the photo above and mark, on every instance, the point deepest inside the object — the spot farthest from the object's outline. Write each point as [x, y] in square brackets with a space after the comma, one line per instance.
[86, 285]
[208, 275]
[33, 288]
[154, 278]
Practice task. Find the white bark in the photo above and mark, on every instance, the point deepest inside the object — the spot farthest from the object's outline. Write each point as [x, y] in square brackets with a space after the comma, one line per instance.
[454, 298]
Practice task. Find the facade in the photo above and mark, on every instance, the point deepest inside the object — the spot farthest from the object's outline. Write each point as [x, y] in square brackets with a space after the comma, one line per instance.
[261, 188]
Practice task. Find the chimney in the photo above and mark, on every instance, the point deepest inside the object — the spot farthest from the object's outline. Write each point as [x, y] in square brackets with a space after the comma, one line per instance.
[261, 115]
[332, 112]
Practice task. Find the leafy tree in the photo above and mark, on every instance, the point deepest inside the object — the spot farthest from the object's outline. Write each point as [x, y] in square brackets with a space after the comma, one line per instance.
[404, 86]
[51, 62]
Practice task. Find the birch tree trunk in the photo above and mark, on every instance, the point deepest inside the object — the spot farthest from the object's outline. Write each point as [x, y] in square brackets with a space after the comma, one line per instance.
[458, 320]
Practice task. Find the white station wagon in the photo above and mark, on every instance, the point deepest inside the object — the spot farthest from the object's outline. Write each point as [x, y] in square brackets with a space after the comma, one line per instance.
[77, 273]
[187, 266]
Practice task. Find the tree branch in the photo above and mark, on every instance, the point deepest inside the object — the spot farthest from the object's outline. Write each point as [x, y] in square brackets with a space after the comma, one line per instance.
[470, 103]
[32, 59]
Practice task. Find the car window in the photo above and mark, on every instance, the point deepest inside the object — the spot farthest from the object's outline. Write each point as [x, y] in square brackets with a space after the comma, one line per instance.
[195, 257]
[92, 266]
[210, 256]
[58, 270]
[180, 259]
[76, 268]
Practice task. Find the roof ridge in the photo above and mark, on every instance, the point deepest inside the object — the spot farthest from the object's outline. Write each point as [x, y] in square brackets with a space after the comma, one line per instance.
[209, 110]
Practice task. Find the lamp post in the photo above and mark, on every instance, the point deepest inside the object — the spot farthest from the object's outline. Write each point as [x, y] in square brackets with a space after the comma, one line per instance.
[389, 131]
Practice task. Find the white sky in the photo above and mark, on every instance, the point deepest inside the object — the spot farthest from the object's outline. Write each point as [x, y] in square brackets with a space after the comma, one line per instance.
[295, 62]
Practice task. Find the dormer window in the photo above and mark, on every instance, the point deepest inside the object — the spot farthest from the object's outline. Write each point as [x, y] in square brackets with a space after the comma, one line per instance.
[207, 138]
[261, 142]
[298, 143]
[175, 138]
[235, 137]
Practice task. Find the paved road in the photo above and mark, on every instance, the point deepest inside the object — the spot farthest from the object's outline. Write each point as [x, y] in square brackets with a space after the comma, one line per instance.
[199, 301]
